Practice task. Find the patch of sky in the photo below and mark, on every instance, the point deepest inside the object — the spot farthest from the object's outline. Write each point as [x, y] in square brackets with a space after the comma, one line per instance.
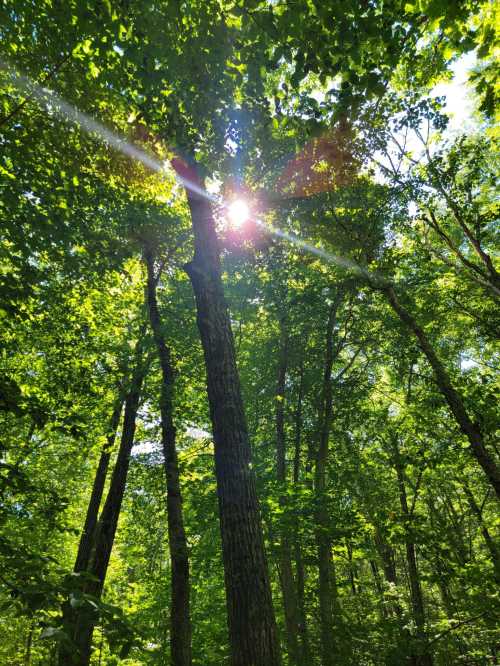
[467, 363]
[195, 432]
[458, 106]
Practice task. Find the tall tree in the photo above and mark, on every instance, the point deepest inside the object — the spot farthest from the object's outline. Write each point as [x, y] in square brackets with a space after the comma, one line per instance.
[252, 628]
[327, 592]
[285, 560]
[180, 621]
[80, 625]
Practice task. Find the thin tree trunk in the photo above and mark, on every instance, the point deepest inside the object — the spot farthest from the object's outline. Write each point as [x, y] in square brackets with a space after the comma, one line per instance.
[436, 562]
[326, 582]
[29, 644]
[491, 545]
[180, 622]
[87, 537]
[286, 572]
[252, 627]
[386, 553]
[452, 397]
[474, 240]
[456, 533]
[82, 621]
[305, 652]
[352, 570]
[422, 657]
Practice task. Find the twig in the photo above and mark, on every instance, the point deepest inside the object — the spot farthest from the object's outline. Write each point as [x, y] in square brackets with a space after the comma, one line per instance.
[456, 626]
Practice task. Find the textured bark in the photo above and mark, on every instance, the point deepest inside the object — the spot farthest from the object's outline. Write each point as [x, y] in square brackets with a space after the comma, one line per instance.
[252, 628]
[286, 572]
[326, 580]
[452, 397]
[180, 622]
[422, 655]
[87, 537]
[81, 622]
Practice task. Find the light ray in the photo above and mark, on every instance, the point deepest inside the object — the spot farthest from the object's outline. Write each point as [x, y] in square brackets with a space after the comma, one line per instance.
[67, 112]
[319, 251]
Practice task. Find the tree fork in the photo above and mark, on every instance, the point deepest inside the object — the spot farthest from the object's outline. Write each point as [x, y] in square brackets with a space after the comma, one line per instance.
[78, 651]
[88, 533]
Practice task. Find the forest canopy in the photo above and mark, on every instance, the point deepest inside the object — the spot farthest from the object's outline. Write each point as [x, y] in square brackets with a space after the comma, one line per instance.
[249, 291]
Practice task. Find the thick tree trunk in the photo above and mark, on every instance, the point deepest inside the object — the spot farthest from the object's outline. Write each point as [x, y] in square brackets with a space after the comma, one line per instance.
[452, 397]
[422, 655]
[180, 622]
[286, 572]
[252, 627]
[326, 581]
[87, 537]
[82, 621]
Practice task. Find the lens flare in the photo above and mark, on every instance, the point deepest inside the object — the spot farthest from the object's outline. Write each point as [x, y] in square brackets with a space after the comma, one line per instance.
[238, 212]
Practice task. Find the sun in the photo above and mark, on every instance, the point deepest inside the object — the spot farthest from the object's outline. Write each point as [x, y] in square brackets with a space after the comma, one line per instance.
[238, 212]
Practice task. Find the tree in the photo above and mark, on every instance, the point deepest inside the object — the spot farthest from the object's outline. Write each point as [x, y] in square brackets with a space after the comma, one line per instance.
[331, 509]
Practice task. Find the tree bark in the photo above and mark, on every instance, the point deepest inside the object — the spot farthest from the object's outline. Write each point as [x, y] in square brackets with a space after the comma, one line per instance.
[326, 581]
[422, 655]
[452, 397]
[286, 572]
[180, 622]
[305, 652]
[87, 537]
[252, 627]
[80, 624]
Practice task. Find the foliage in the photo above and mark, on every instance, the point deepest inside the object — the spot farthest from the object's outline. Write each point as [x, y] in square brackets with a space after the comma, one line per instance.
[312, 111]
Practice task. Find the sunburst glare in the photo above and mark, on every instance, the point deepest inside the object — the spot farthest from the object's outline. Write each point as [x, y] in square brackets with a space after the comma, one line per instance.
[238, 212]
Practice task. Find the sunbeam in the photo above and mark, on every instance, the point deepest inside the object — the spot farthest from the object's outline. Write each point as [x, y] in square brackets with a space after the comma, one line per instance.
[331, 258]
[238, 210]
[67, 112]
